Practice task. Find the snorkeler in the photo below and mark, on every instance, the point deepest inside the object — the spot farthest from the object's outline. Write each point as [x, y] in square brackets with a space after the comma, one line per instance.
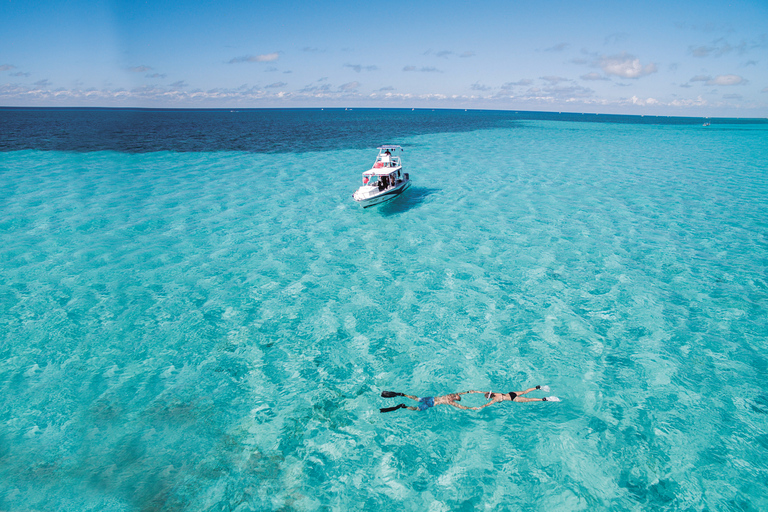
[513, 396]
[426, 402]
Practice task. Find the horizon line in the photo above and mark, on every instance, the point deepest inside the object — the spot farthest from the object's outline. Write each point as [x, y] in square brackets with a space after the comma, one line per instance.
[240, 109]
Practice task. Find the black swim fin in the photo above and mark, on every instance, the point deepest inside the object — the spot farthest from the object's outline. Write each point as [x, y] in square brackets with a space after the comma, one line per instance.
[390, 394]
[390, 409]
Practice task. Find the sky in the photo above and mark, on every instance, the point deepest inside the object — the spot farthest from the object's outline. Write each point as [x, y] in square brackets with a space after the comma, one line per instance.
[683, 57]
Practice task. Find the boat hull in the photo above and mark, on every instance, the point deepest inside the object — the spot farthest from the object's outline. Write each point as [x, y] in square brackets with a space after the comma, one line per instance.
[383, 197]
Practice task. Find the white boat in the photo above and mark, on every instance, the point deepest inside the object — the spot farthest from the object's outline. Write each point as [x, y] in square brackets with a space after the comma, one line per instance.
[385, 180]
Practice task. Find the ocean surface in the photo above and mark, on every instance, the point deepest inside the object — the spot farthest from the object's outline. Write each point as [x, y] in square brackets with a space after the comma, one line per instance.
[195, 315]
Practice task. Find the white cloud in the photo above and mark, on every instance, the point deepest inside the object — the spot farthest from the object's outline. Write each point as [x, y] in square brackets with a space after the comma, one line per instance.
[554, 79]
[317, 89]
[625, 66]
[726, 80]
[452, 99]
[479, 87]
[643, 102]
[594, 76]
[7, 67]
[721, 47]
[349, 86]
[559, 96]
[139, 69]
[422, 69]
[719, 79]
[267, 57]
[698, 102]
[706, 51]
[359, 67]
[549, 94]
[444, 54]
[520, 83]
[559, 47]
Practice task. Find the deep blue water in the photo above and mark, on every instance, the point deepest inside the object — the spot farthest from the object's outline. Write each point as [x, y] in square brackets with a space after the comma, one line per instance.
[261, 130]
[194, 314]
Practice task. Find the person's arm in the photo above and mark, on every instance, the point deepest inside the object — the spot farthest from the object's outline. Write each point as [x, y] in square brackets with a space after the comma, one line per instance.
[482, 406]
[458, 406]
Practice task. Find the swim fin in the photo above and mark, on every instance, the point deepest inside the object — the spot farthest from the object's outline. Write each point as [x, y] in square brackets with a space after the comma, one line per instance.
[390, 409]
[390, 394]
[551, 399]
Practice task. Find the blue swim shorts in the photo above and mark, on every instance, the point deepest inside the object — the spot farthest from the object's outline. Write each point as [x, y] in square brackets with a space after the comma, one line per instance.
[425, 402]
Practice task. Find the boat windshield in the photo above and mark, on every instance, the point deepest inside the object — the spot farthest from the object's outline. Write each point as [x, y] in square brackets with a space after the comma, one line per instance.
[382, 182]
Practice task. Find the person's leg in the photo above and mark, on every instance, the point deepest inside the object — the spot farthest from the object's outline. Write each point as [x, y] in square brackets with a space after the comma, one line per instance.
[398, 406]
[518, 393]
[392, 394]
[524, 399]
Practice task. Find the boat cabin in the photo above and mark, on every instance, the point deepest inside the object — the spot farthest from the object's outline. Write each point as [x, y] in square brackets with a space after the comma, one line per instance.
[381, 179]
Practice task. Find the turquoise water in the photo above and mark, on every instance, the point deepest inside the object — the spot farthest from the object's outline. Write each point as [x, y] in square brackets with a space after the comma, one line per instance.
[212, 330]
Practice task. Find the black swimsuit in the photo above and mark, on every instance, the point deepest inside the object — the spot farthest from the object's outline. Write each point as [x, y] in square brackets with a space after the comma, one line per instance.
[512, 395]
